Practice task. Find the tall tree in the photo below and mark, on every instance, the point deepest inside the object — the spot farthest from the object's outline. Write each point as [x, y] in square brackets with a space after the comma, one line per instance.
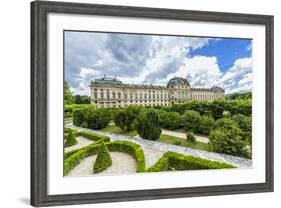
[68, 97]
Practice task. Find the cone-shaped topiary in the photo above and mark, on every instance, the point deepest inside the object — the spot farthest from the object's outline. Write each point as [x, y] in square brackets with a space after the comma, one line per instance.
[70, 140]
[103, 160]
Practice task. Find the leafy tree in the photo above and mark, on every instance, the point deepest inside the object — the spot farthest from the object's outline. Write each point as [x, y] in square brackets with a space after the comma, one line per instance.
[206, 124]
[124, 118]
[245, 124]
[98, 118]
[191, 120]
[82, 99]
[169, 120]
[217, 107]
[228, 142]
[68, 97]
[226, 124]
[239, 96]
[103, 160]
[147, 124]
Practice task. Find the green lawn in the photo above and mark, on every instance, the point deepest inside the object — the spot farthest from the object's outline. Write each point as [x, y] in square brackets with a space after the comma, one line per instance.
[163, 138]
[183, 142]
[114, 129]
[181, 130]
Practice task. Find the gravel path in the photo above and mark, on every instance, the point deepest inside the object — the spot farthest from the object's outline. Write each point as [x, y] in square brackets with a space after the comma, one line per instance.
[121, 164]
[183, 135]
[82, 142]
[239, 162]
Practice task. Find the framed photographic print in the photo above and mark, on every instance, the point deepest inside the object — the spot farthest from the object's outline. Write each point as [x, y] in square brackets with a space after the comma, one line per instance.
[131, 103]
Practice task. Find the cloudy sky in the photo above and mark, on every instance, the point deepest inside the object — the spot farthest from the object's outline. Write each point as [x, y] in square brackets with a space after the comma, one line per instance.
[152, 59]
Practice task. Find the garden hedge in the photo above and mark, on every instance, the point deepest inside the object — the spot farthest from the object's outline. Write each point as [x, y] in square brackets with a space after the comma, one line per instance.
[176, 161]
[70, 139]
[130, 148]
[93, 136]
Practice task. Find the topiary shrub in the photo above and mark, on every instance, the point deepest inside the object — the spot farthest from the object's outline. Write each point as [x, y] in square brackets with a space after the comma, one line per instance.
[190, 137]
[98, 118]
[70, 140]
[147, 124]
[191, 120]
[124, 118]
[169, 120]
[79, 116]
[206, 124]
[103, 160]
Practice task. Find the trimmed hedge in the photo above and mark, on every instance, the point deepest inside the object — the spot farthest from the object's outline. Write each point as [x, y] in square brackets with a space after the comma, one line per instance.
[89, 135]
[93, 136]
[130, 148]
[176, 161]
[103, 160]
[75, 158]
[79, 116]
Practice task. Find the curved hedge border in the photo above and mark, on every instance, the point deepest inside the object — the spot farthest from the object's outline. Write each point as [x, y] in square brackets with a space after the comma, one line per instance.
[173, 160]
[89, 135]
[93, 136]
[74, 157]
[130, 148]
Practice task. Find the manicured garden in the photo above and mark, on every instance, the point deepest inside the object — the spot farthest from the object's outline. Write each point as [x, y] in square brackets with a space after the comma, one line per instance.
[103, 148]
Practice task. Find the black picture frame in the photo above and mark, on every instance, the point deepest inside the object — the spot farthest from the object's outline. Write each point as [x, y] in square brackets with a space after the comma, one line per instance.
[39, 98]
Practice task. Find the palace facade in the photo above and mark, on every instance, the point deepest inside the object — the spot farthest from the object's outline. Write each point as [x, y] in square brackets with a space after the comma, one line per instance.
[109, 92]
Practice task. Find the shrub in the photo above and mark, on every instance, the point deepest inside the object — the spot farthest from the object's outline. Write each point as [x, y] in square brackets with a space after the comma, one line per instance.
[129, 148]
[98, 118]
[103, 160]
[147, 124]
[228, 142]
[124, 118]
[190, 137]
[226, 124]
[206, 124]
[93, 136]
[245, 124]
[169, 120]
[70, 140]
[191, 120]
[79, 116]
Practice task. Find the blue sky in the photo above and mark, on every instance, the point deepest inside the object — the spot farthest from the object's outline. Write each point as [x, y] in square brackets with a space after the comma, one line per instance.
[154, 59]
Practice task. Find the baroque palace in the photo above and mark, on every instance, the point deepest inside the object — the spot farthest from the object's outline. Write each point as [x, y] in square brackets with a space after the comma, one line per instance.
[108, 92]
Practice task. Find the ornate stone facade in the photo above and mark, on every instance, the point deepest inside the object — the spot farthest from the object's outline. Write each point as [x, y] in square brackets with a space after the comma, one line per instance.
[108, 92]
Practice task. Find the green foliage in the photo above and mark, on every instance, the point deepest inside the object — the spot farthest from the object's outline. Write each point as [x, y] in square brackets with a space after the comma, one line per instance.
[239, 96]
[191, 120]
[70, 140]
[176, 161]
[206, 124]
[93, 136]
[190, 137]
[68, 97]
[228, 142]
[103, 160]
[169, 120]
[147, 124]
[98, 118]
[129, 148]
[243, 106]
[124, 118]
[79, 116]
[74, 159]
[82, 99]
[245, 124]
